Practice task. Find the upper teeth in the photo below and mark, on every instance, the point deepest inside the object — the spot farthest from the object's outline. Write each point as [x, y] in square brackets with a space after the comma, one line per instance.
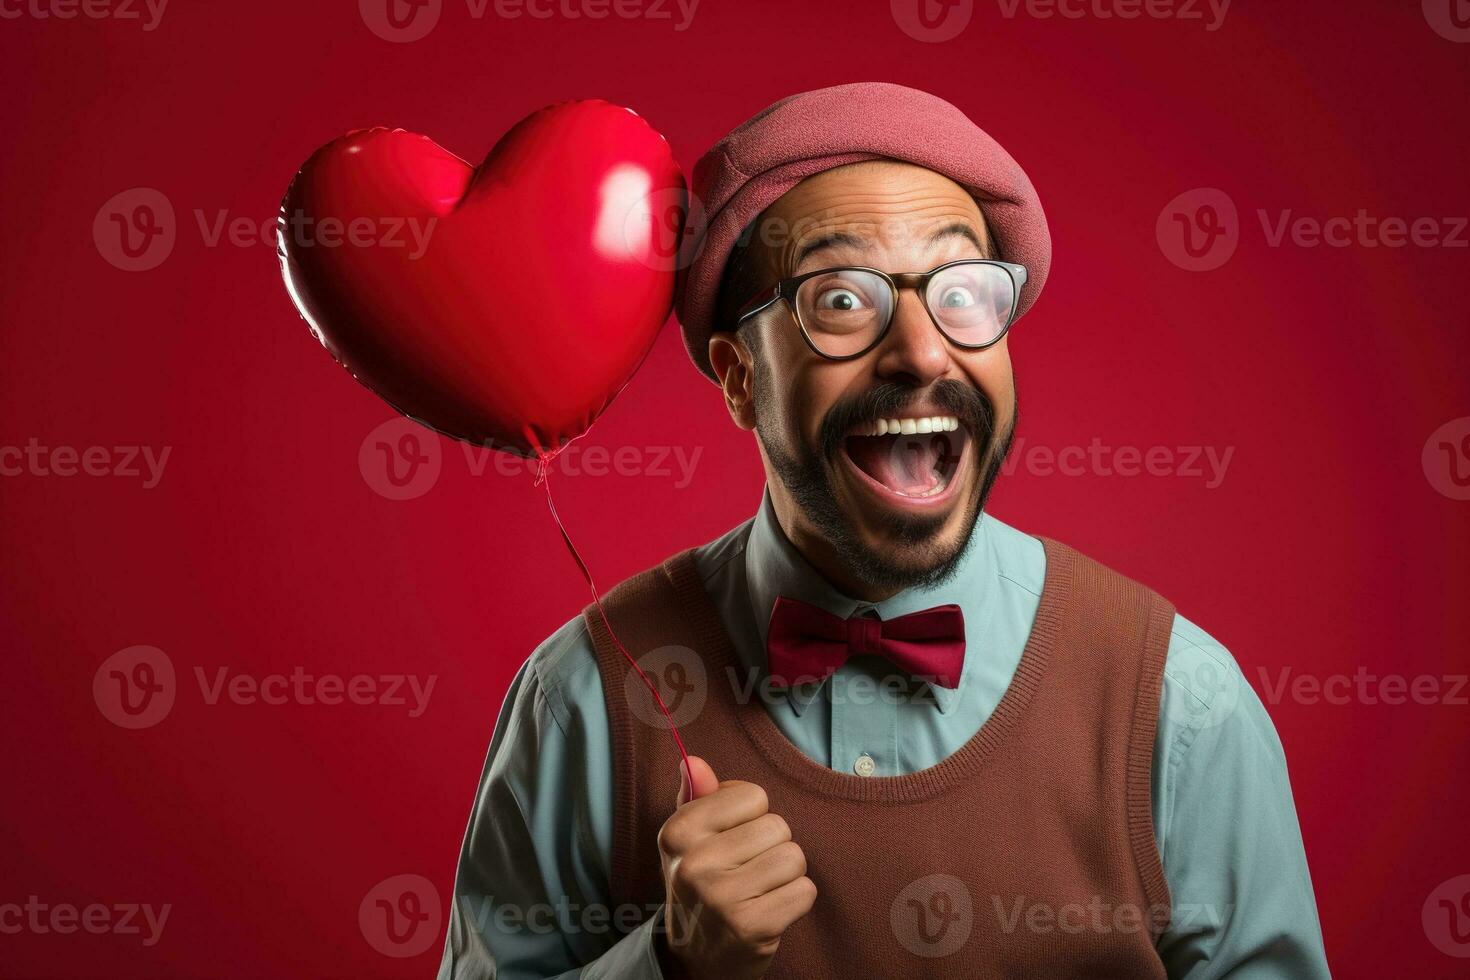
[908, 427]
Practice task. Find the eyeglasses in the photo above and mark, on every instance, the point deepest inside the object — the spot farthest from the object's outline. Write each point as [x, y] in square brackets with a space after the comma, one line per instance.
[844, 312]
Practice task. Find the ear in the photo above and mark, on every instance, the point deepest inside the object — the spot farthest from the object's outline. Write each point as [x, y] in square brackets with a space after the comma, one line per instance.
[734, 366]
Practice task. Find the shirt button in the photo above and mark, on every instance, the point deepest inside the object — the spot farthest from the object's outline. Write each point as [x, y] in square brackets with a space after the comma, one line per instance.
[865, 766]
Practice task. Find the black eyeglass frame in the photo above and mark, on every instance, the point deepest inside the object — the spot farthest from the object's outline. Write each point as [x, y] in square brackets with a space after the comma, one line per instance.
[786, 290]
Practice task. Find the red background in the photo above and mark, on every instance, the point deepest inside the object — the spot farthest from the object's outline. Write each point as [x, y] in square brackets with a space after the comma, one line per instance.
[263, 548]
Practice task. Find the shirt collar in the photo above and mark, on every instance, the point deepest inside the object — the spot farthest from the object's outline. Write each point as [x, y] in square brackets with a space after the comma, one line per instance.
[773, 567]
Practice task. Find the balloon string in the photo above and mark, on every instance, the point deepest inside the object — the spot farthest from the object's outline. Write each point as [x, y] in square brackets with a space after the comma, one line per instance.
[542, 479]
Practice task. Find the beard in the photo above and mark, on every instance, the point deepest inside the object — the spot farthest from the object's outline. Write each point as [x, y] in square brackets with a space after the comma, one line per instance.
[807, 472]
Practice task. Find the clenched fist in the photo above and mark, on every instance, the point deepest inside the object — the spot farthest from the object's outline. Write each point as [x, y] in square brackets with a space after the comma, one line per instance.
[734, 879]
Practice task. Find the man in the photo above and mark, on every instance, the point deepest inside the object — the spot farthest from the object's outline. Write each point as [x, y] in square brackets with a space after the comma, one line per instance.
[926, 744]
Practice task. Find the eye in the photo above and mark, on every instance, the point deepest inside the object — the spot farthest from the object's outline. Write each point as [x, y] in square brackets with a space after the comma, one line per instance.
[840, 298]
[957, 296]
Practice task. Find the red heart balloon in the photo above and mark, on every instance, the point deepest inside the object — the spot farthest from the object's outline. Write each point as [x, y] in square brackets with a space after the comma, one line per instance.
[505, 305]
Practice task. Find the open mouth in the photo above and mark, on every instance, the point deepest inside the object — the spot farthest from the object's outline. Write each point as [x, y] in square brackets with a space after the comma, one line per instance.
[915, 458]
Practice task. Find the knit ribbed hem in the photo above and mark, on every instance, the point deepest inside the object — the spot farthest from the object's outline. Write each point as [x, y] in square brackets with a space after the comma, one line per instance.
[624, 752]
[1141, 738]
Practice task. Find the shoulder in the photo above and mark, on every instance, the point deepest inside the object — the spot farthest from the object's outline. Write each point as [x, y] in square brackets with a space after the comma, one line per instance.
[1205, 690]
[563, 671]
[1199, 665]
[1204, 686]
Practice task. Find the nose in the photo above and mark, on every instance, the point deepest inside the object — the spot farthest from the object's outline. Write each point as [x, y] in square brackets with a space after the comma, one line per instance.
[914, 352]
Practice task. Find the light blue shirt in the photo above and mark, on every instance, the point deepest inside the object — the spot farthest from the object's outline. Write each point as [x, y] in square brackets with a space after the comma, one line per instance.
[532, 896]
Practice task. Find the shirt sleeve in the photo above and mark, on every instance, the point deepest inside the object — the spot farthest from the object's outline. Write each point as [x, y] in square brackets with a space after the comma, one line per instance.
[531, 897]
[1243, 906]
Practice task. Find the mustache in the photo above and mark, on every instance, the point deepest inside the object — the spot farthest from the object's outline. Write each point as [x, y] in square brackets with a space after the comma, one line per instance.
[965, 402]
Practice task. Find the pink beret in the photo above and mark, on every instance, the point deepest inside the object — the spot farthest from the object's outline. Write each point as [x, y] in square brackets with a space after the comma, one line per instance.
[805, 134]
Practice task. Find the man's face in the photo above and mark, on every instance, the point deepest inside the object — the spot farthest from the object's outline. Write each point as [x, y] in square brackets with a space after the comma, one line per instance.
[874, 513]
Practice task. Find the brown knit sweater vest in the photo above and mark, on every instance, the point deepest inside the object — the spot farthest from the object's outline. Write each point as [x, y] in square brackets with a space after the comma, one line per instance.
[1027, 853]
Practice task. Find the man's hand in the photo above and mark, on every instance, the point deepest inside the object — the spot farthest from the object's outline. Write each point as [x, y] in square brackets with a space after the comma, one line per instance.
[734, 879]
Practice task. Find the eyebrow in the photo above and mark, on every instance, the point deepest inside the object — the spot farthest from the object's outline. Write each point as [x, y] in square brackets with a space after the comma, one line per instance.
[838, 239]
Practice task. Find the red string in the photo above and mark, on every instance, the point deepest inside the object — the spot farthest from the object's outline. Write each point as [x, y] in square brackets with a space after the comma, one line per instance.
[542, 473]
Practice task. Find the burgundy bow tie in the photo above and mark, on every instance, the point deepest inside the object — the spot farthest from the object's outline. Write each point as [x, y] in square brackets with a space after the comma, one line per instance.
[807, 643]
